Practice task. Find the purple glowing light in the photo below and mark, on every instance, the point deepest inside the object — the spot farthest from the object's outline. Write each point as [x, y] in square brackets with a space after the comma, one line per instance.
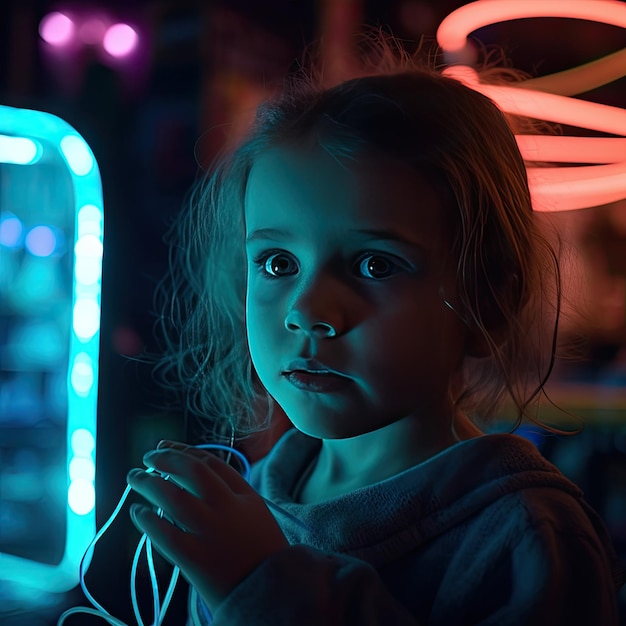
[92, 31]
[56, 28]
[41, 241]
[120, 40]
[10, 231]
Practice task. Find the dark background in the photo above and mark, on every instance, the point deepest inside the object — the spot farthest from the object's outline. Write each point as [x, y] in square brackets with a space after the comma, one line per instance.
[156, 120]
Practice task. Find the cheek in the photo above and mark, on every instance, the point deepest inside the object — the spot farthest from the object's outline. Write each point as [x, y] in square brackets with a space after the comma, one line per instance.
[424, 342]
[261, 330]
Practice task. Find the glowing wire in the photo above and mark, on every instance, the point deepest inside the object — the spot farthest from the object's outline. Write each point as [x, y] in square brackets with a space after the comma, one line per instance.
[158, 607]
[545, 97]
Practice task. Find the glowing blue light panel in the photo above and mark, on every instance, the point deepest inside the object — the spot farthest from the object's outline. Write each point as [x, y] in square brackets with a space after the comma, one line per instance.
[51, 229]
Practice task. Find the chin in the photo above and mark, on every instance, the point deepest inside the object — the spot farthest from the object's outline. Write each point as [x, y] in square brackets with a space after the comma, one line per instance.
[332, 431]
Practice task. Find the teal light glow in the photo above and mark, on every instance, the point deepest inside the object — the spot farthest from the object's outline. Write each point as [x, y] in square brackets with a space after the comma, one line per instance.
[88, 250]
[82, 442]
[77, 154]
[81, 496]
[19, 150]
[86, 322]
[82, 469]
[34, 147]
[90, 220]
[82, 375]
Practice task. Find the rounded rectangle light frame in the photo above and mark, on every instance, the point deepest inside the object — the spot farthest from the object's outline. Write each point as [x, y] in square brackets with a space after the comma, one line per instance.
[25, 138]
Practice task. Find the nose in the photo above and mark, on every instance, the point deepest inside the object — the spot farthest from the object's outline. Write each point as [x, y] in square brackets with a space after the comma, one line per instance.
[295, 322]
[316, 312]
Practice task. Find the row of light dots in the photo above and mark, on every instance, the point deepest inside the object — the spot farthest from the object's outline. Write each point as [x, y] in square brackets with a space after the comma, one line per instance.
[42, 241]
[61, 30]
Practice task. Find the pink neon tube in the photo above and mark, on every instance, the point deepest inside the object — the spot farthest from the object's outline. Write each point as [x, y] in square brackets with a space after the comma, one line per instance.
[546, 97]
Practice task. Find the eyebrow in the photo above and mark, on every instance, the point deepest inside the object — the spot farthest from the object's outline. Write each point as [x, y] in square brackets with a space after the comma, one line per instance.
[268, 233]
[389, 235]
[374, 233]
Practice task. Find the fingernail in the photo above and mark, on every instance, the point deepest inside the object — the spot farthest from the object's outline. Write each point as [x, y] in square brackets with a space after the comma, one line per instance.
[133, 473]
[137, 509]
[150, 455]
[166, 443]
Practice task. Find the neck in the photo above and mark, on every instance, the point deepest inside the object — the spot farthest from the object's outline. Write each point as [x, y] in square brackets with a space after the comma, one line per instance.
[344, 465]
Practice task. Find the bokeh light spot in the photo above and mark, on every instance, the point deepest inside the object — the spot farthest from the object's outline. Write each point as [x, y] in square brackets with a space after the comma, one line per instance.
[10, 230]
[82, 442]
[41, 241]
[78, 155]
[92, 31]
[120, 40]
[19, 150]
[56, 29]
[86, 321]
[81, 496]
[82, 375]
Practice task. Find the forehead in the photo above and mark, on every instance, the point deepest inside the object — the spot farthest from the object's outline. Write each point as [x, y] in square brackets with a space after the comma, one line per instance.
[306, 185]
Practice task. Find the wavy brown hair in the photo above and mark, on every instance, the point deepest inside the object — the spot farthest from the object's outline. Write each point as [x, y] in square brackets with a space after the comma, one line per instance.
[508, 272]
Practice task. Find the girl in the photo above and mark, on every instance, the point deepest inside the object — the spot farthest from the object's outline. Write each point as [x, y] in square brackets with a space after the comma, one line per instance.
[367, 259]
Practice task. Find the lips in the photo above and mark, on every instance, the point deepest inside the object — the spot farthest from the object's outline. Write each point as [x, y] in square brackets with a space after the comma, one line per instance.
[311, 375]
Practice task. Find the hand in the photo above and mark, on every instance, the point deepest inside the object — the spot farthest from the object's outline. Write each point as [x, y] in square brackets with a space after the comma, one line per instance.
[220, 527]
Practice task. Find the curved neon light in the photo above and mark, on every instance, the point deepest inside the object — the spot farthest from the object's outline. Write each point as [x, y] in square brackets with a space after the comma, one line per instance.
[60, 147]
[547, 98]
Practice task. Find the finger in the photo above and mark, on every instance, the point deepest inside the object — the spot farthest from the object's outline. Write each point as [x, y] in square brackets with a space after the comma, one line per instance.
[188, 552]
[185, 510]
[231, 476]
[173, 543]
[200, 472]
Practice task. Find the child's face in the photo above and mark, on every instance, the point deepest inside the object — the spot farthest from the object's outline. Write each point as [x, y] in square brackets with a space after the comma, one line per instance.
[346, 266]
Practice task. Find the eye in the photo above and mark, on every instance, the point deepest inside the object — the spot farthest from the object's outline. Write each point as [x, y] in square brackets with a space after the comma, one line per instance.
[377, 266]
[277, 264]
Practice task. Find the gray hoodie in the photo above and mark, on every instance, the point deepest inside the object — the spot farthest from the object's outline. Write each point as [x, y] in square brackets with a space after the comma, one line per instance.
[486, 532]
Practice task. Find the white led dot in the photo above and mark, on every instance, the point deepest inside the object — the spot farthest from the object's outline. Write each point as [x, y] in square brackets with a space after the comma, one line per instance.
[88, 251]
[82, 469]
[86, 322]
[90, 221]
[81, 496]
[19, 150]
[77, 154]
[82, 442]
[82, 377]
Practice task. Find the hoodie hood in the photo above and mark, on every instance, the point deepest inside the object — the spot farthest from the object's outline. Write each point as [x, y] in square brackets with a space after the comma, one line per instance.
[381, 522]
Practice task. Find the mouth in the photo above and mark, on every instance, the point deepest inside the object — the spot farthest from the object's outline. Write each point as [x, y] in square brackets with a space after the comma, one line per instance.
[312, 375]
[317, 381]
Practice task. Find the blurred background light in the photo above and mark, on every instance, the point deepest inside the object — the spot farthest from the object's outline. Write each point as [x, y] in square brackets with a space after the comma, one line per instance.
[56, 28]
[90, 220]
[77, 154]
[51, 229]
[120, 40]
[81, 496]
[37, 344]
[41, 241]
[81, 468]
[82, 442]
[86, 321]
[92, 31]
[18, 150]
[82, 375]
[88, 251]
[10, 230]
